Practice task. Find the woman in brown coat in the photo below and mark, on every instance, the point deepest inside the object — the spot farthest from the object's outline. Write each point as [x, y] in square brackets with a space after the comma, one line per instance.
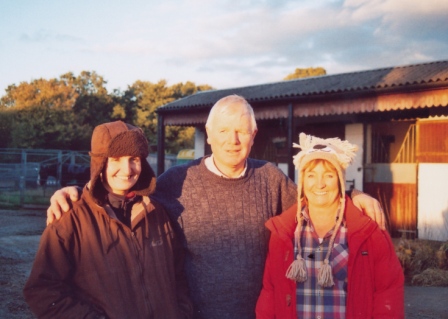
[115, 254]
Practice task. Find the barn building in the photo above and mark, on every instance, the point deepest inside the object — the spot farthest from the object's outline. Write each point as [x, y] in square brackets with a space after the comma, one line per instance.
[398, 116]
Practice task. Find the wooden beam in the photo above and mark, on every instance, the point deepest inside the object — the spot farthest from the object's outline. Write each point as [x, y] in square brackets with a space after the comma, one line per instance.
[291, 133]
[160, 144]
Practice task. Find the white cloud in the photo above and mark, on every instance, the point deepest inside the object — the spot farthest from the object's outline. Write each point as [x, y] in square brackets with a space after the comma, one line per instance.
[221, 43]
[43, 36]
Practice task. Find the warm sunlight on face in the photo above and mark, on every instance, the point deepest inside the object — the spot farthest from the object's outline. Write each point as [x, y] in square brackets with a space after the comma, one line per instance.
[321, 184]
[231, 137]
[122, 173]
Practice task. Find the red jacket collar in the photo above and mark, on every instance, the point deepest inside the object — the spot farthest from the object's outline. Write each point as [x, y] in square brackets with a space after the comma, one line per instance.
[285, 224]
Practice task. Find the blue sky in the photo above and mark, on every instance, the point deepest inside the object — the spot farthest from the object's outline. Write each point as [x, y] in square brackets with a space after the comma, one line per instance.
[220, 43]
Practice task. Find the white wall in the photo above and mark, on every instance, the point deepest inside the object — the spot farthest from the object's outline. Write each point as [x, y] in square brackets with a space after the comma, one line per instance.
[199, 143]
[395, 173]
[433, 201]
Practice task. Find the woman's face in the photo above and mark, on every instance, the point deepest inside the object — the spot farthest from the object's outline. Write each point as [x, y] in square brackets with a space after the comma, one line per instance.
[122, 173]
[321, 185]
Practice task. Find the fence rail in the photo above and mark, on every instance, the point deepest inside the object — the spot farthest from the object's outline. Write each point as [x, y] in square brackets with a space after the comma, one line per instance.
[407, 151]
[19, 171]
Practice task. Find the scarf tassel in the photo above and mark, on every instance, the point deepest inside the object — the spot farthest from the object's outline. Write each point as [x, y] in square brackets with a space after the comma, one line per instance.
[325, 276]
[297, 270]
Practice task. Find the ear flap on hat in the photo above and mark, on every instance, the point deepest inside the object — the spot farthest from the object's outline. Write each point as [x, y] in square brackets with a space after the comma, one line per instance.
[146, 184]
[97, 165]
[116, 139]
[340, 154]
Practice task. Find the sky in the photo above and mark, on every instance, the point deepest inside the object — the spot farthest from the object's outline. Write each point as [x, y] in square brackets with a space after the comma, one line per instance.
[221, 43]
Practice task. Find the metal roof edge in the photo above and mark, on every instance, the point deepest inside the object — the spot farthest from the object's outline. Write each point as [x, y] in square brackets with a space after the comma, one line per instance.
[177, 104]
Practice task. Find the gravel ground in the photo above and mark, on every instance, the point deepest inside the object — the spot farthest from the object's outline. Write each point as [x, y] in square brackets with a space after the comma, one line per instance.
[19, 238]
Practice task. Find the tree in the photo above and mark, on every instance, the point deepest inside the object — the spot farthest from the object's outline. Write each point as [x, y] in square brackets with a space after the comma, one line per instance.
[86, 83]
[6, 127]
[40, 127]
[51, 94]
[305, 73]
[61, 113]
[94, 105]
[56, 113]
[146, 97]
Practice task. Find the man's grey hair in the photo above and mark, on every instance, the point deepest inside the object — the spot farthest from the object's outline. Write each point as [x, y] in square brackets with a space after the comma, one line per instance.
[231, 99]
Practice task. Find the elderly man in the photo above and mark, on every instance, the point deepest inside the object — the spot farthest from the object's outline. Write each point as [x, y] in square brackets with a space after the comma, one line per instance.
[221, 203]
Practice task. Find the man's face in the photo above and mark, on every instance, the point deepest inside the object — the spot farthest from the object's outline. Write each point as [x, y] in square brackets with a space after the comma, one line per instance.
[231, 137]
[122, 173]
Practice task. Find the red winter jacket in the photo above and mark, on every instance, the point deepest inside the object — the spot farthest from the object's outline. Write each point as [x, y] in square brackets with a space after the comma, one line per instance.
[375, 277]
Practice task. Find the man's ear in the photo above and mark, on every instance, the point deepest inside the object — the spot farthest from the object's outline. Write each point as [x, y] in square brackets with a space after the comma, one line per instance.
[254, 133]
[206, 131]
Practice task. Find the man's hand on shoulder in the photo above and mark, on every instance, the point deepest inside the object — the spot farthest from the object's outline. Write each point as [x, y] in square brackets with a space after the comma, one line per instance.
[60, 202]
[370, 206]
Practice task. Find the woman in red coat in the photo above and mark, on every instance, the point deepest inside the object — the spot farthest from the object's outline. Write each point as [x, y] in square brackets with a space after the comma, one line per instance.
[327, 259]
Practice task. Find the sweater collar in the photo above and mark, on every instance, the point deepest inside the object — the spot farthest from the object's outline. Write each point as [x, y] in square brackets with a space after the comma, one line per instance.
[211, 166]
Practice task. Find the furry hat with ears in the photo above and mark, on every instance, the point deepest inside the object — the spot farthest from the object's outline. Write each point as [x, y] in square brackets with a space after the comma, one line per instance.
[340, 154]
[116, 139]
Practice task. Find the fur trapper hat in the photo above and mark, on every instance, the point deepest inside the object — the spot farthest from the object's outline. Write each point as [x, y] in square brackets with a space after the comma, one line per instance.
[116, 139]
[340, 154]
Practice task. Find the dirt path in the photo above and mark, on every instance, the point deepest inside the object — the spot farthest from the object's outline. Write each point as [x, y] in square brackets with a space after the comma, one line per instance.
[19, 238]
[426, 302]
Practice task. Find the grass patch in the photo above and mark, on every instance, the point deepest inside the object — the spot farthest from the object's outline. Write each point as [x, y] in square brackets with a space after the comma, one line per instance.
[15, 199]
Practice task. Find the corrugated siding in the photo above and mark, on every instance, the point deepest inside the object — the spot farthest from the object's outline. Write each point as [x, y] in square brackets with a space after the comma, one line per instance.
[390, 102]
[362, 81]
[432, 141]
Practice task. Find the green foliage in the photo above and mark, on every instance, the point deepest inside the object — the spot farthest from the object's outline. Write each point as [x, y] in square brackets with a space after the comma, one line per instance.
[6, 126]
[118, 112]
[305, 73]
[177, 138]
[143, 99]
[56, 113]
[39, 127]
[92, 110]
[94, 105]
[11, 199]
[86, 83]
[52, 94]
[61, 113]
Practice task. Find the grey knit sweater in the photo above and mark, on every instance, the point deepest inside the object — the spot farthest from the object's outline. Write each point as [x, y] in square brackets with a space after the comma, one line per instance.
[223, 223]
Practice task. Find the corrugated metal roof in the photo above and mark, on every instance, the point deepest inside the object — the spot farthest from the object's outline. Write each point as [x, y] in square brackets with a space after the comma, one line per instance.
[362, 81]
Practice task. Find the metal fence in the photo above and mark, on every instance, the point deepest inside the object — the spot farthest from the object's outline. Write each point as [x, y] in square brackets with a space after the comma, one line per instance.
[19, 170]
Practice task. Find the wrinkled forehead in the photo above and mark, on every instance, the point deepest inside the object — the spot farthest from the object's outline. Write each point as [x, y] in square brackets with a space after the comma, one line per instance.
[236, 113]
